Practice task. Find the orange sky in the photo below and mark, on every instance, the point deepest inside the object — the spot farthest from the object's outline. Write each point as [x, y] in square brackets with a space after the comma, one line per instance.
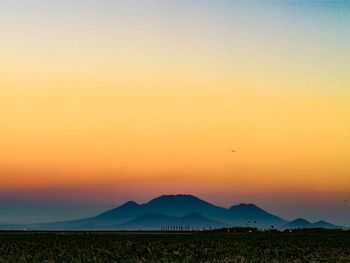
[127, 96]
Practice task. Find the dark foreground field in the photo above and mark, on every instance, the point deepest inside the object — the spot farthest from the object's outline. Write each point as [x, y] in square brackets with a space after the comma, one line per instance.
[173, 247]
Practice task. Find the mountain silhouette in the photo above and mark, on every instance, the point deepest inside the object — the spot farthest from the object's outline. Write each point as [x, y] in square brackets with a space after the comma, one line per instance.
[298, 223]
[324, 224]
[251, 215]
[178, 210]
[180, 205]
[303, 223]
[174, 205]
[118, 215]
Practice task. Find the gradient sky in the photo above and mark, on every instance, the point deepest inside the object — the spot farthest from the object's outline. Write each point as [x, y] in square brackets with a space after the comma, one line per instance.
[106, 101]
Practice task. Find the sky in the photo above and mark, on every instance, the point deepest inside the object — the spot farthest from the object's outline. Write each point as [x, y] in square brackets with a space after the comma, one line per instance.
[106, 101]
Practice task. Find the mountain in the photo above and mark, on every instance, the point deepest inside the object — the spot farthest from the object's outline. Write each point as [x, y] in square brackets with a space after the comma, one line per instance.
[251, 215]
[181, 205]
[173, 210]
[298, 223]
[302, 223]
[119, 215]
[174, 205]
[324, 224]
[157, 221]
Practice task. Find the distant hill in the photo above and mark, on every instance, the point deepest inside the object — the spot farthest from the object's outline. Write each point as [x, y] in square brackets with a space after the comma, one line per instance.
[324, 224]
[251, 215]
[302, 223]
[178, 210]
[298, 223]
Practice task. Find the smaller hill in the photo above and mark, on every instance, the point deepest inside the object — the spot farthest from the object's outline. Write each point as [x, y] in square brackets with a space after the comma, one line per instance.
[302, 223]
[252, 216]
[298, 223]
[324, 224]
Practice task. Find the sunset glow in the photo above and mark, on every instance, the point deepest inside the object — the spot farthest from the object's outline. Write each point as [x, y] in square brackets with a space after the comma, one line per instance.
[106, 101]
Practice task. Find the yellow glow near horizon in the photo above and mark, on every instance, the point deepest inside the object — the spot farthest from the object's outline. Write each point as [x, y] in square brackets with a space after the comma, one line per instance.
[164, 106]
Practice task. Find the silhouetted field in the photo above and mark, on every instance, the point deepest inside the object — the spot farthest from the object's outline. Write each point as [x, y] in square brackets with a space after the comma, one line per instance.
[298, 246]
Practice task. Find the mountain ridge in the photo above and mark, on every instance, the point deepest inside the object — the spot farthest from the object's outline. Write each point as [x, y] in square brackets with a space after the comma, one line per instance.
[175, 208]
[300, 223]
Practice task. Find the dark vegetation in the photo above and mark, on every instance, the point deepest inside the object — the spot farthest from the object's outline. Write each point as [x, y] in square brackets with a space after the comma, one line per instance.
[235, 245]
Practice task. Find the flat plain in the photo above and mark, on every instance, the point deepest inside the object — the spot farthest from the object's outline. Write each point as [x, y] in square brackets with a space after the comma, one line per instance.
[298, 246]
